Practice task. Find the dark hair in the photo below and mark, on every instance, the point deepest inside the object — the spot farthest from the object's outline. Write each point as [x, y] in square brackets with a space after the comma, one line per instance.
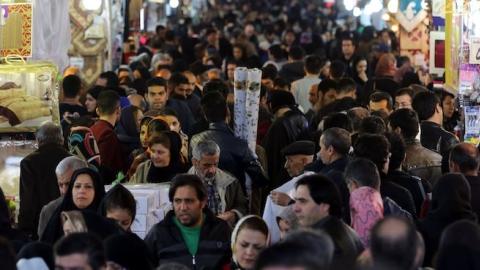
[176, 79]
[280, 83]
[276, 51]
[112, 79]
[394, 248]
[190, 180]
[364, 172]
[37, 250]
[95, 91]
[397, 150]
[296, 53]
[347, 36]
[465, 159]
[337, 69]
[214, 107]
[312, 250]
[156, 81]
[269, 72]
[159, 138]
[71, 86]
[326, 85]
[374, 147]
[107, 102]
[337, 119]
[346, 85]
[216, 85]
[119, 197]
[425, 104]
[356, 116]
[323, 190]
[7, 254]
[372, 124]
[379, 96]
[338, 138]
[82, 243]
[405, 91]
[405, 119]
[313, 64]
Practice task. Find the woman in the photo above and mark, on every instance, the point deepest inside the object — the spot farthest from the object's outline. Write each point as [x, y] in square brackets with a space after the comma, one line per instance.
[91, 99]
[249, 237]
[128, 129]
[360, 72]
[450, 202]
[366, 208]
[450, 114]
[119, 205]
[171, 118]
[85, 192]
[164, 162]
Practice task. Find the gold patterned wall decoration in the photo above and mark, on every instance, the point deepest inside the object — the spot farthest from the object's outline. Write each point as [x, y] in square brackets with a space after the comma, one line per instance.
[15, 29]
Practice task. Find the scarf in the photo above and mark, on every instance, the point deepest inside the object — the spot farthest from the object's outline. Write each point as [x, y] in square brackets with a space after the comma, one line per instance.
[366, 208]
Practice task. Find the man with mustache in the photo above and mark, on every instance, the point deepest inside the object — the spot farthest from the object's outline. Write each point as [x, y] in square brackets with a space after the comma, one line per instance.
[226, 198]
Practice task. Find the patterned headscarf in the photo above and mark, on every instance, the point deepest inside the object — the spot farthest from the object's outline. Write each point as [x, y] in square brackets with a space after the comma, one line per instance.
[366, 208]
[82, 144]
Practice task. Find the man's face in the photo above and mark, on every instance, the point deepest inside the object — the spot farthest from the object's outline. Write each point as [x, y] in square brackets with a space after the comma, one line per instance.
[329, 97]
[101, 82]
[191, 82]
[188, 208]
[313, 94]
[347, 48]
[379, 105]
[294, 165]
[76, 261]
[307, 211]
[182, 90]
[231, 71]
[206, 167]
[325, 152]
[403, 101]
[156, 97]
[63, 181]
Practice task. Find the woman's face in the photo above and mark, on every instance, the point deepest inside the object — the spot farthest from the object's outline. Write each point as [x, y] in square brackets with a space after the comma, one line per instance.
[448, 105]
[90, 103]
[143, 135]
[247, 247]
[361, 66]
[122, 216]
[237, 53]
[173, 123]
[138, 119]
[160, 155]
[83, 191]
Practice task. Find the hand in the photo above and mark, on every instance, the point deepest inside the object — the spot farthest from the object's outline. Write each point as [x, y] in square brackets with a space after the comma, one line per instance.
[280, 198]
[228, 216]
[363, 76]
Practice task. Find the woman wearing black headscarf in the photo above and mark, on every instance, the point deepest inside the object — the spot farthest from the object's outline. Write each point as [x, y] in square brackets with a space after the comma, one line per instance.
[450, 203]
[85, 192]
[16, 237]
[164, 162]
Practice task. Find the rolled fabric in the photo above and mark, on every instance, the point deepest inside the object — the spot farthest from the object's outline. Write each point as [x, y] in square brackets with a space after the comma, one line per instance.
[240, 87]
[254, 78]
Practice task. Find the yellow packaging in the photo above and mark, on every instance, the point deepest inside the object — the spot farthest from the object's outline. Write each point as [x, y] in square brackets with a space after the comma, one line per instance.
[28, 95]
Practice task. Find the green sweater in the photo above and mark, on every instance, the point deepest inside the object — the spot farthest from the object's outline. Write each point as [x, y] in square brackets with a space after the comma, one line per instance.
[191, 236]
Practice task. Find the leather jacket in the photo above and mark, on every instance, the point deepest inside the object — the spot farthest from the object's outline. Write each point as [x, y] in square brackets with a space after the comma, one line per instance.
[422, 162]
[435, 138]
[235, 156]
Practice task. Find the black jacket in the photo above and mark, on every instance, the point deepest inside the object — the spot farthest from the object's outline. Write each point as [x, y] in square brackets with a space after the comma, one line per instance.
[345, 239]
[166, 243]
[474, 182]
[398, 194]
[335, 171]
[292, 71]
[235, 158]
[418, 188]
[38, 184]
[437, 139]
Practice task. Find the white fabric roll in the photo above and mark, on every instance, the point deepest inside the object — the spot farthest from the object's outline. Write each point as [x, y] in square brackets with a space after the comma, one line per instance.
[254, 79]
[240, 85]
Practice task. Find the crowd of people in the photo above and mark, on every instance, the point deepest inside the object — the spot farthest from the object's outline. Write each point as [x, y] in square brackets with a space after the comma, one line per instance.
[357, 165]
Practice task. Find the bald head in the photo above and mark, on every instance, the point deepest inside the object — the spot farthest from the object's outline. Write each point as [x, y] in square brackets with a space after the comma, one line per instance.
[464, 158]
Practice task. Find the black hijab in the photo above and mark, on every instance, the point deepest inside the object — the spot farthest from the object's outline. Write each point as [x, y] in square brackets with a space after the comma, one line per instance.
[54, 230]
[165, 174]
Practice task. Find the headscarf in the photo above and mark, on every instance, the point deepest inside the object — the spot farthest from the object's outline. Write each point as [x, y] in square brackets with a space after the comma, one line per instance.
[366, 208]
[451, 199]
[75, 219]
[128, 251]
[236, 231]
[82, 144]
[35, 250]
[174, 167]
[128, 121]
[54, 230]
[289, 215]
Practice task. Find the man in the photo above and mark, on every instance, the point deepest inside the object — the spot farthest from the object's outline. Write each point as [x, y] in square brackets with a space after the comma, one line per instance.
[225, 195]
[289, 126]
[180, 89]
[320, 96]
[70, 106]
[64, 172]
[404, 98]
[80, 251]
[318, 205]
[335, 144]
[432, 135]
[38, 184]
[236, 157]
[377, 149]
[300, 88]
[157, 99]
[110, 148]
[301, 250]
[380, 101]
[293, 70]
[348, 54]
[464, 159]
[393, 244]
[190, 234]
[419, 161]
[297, 154]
